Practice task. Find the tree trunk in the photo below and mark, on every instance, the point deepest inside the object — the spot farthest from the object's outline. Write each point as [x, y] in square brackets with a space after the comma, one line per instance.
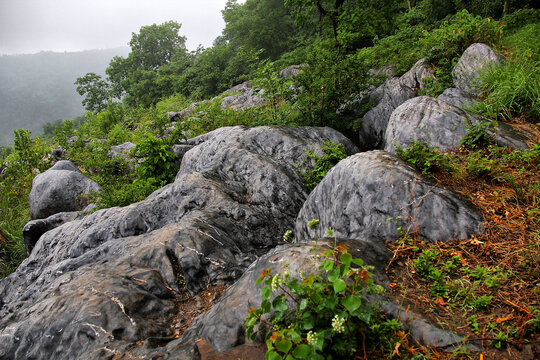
[506, 7]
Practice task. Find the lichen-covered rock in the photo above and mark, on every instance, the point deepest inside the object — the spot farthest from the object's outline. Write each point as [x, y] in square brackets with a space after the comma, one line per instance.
[440, 124]
[474, 59]
[394, 92]
[374, 194]
[59, 189]
[458, 98]
[94, 287]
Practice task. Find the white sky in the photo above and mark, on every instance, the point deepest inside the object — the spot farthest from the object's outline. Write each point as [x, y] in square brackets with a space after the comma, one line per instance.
[30, 26]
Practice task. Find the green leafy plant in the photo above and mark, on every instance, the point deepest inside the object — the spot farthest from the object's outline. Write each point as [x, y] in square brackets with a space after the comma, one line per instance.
[479, 135]
[158, 163]
[332, 154]
[425, 158]
[323, 315]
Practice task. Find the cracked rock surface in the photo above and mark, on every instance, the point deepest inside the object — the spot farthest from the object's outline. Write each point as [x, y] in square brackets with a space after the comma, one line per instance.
[96, 286]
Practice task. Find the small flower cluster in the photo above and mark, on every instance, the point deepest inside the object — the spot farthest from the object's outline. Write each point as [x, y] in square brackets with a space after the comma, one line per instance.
[312, 338]
[338, 324]
[276, 280]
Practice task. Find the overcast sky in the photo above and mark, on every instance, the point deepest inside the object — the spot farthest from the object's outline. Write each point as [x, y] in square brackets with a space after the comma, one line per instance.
[30, 26]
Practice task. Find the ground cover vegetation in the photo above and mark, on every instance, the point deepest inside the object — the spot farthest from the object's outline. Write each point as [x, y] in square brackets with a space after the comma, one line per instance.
[486, 287]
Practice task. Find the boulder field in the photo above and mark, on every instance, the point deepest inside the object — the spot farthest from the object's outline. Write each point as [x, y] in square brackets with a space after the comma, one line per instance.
[106, 285]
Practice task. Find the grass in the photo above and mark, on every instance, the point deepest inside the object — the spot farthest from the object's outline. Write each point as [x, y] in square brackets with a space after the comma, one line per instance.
[485, 287]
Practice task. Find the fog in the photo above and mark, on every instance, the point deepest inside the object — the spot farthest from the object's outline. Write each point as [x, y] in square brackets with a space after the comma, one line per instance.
[30, 26]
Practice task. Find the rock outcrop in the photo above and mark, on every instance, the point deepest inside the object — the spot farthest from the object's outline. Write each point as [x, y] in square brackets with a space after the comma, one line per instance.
[437, 123]
[374, 195]
[59, 189]
[477, 57]
[394, 92]
[96, 286]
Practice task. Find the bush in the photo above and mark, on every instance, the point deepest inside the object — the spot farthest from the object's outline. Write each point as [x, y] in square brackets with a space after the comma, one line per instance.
[424, 158]
[323, 315]
[332, 154]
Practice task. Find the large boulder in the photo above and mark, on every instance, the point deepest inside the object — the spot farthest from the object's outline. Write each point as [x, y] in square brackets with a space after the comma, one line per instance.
[440, 124]
[477, 57]
[394, 92]
[458, 98]
[122, 150]
[98, 286]
[59, 189]
[33, 229]
[376, 195]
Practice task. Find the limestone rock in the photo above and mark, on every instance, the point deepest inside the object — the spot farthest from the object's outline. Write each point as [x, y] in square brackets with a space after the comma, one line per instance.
[122, 150]
[58, 190]
[33, 230]
[374, 193]
[291, 71]
[458, 98]
[474, 59]
[394, 92]
[437, 123]
[95, 286]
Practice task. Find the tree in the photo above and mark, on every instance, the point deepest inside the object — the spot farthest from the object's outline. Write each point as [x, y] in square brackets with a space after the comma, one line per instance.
[97, 92]
[136, 76]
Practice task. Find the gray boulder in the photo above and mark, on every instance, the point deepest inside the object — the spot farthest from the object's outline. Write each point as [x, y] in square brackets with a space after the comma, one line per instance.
[122, 150]
[477, 57]
[33, 230]
[59, 189]
[394, 92]
[96, 286]
[437, 123]
[291, 71]
[375, 194]
[458, 98]
[246, 98]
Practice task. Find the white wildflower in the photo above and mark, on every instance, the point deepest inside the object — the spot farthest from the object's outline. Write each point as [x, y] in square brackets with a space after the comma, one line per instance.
[276, 280]
[312, 338]
[337, 324]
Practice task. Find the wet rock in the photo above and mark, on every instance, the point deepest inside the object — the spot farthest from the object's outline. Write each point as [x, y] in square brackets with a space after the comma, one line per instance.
[394, 92]
[437, 123]
[59, 189]
[477, 57]
[96, 286]
[374, 194]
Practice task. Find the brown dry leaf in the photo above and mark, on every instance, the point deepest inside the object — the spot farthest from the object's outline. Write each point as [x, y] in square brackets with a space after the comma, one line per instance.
[440, 301]
[396, 349]
[503, 319]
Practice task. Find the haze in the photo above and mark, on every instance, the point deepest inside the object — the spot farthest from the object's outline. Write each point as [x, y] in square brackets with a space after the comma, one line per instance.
[30, 26]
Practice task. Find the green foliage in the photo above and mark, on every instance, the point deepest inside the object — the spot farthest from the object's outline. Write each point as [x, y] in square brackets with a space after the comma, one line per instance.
[479, 135]
[158, 161]
[424, 158]
[323, 315]
[513, 88]
[332, 154]
[97, 92]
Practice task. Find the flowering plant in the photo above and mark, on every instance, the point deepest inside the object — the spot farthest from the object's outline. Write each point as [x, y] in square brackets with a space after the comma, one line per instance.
[320, 316]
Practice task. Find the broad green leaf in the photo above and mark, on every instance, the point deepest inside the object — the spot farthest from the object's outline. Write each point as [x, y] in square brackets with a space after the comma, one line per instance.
[266, 292]
[358, 262]
[333, 275]
[283, 345]
[280, 304]
[303, 304]
[266, 306]
[328, 265]
[330, 302]
[346, 259]
[339, 286]
[302, 351]
[272, 355]
[351, 303]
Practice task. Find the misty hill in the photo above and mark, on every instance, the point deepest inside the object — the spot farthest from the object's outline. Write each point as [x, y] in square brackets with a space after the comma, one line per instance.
[38, 88]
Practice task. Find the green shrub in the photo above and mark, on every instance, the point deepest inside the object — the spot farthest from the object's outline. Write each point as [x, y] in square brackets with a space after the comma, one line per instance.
[424, 158]
[323, 315]
[478, 135]
[158, 160]
[332, 154]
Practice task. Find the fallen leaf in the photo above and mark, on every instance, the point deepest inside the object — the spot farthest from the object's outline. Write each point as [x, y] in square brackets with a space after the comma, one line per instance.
[440, 301]
[393, 285]
[475, 241]
[503, 319]
[396, 349]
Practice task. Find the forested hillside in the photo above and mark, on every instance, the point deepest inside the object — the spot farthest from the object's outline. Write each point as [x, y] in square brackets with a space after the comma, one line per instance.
[37, 89]
[443, 96]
